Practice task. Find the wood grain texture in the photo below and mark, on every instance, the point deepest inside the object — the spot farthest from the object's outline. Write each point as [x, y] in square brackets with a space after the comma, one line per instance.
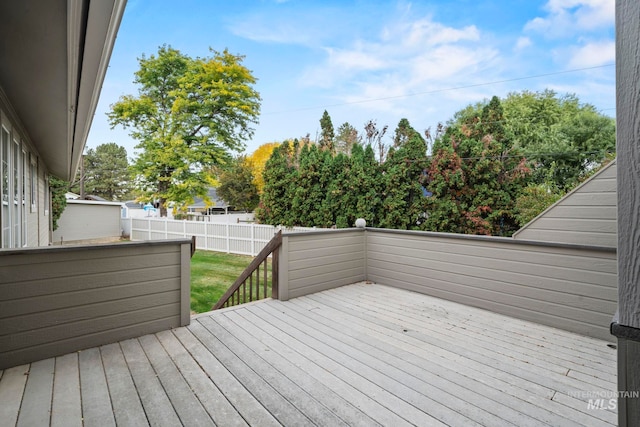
[628, 151]
[628, 148]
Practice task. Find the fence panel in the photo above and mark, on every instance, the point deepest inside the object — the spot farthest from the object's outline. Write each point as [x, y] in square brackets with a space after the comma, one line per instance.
[244, 239]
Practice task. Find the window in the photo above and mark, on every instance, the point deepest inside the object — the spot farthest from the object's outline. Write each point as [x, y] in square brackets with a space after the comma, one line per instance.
[46, 195]
[16, 167]
[33, 181]
[23, 194]
[6, 211]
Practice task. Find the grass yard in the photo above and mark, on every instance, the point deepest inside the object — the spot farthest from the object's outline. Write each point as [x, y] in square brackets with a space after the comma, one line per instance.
[211, 275]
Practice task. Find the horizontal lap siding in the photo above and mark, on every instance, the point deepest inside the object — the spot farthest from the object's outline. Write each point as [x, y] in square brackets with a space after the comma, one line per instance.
[314, 262]
[586, 216]
[569, 288]
[58, 300]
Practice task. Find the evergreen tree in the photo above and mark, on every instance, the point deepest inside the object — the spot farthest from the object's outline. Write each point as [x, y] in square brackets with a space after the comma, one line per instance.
[347, 138]
[279, 186]
[402, 133]
[106, 173]
[327, 134]
[366, 184]
[475, 176]
[311, 185]
[404, 203]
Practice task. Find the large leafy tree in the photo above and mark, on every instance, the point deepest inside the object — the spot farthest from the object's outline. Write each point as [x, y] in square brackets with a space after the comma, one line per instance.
[476, 174]
[563, 140]
[237, 186]
[106, 172]
[188, 115]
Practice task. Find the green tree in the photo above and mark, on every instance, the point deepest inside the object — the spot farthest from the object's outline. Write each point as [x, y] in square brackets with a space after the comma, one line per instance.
[312, 180]
[187, 117]
[404, 202]
[279, 187]
[402, 133]
[106, 172]
[476, 175]
[347, 138]
[237, 185]
[562, 139]
[58, 190]
[327, 134]
[533, 201]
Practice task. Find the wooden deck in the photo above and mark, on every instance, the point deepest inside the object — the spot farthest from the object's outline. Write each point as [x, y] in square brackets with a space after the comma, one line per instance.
[362, 354]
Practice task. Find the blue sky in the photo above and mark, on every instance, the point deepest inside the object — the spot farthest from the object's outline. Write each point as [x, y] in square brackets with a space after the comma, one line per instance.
[380, 60]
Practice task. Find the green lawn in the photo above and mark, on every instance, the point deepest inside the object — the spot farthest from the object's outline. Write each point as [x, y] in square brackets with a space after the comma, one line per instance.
[212, 273]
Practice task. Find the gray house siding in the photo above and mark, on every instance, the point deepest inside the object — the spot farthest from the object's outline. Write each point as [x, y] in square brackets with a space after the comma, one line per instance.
[315, 261]
[571, 287]
[586, 216]
[61, 299]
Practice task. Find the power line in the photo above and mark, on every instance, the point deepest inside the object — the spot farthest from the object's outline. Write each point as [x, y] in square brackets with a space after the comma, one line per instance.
[363, 101]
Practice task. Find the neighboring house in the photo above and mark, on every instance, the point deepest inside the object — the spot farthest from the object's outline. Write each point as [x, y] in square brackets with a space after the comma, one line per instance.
[587, 215]
[54, 56]
[215, 205]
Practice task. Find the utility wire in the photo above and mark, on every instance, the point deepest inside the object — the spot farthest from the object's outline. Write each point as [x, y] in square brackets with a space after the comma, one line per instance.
[363, 101]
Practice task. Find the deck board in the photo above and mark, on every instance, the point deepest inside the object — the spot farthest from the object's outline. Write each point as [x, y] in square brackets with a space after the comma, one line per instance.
[359, 355]
[96, 401]
[66, 408]
[37, 394]
[447, 383]
[12, 386]
[127, 407]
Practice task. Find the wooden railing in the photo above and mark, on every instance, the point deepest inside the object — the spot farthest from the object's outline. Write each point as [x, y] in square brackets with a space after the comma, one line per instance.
[245, 288]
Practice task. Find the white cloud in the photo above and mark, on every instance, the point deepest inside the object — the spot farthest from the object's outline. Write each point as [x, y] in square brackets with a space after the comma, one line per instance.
[565, 17]
[593, 54]
[406, 56]
[354, 59]
[523, 43]
[426, 32]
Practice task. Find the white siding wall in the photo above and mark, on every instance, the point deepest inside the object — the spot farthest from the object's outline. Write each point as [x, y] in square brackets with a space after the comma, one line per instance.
[84, 220]
[586, 216]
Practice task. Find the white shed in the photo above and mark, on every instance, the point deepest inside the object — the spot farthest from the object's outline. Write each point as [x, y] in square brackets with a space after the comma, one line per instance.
[87, 219]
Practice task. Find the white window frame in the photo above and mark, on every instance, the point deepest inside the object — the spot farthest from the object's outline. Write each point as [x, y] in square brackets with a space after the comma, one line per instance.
[33, 183]
[47, 195]
[6, 223]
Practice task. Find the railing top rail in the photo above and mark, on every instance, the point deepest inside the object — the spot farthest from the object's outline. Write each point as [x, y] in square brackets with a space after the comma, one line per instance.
[273, 245]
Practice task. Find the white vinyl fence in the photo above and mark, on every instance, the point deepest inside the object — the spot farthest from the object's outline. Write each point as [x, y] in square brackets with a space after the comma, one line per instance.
[244, 239]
